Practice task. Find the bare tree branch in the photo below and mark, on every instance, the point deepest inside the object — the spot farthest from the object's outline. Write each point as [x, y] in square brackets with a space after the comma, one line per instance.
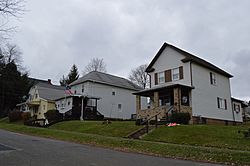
[13, 8]
[9, 8]
[12, 53]
[139, 76]
[95, 64]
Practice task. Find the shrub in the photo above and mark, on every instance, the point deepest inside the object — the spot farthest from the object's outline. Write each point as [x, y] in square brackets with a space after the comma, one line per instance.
[25, 116]
[53, 115]
[14, 116]
[180, 117]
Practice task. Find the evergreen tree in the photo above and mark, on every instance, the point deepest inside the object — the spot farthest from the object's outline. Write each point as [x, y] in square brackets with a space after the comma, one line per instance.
[63, 81]
[13, 87]
[72, 76]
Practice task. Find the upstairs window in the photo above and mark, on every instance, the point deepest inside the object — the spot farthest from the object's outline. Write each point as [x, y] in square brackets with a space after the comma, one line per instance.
[175, 74]
[161, 77]
[222, 103]
[113, 92]
[169, 75]
[82, 88]
[212, 78]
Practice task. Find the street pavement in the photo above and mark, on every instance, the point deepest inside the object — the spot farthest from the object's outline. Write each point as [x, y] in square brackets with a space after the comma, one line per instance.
[23, 150]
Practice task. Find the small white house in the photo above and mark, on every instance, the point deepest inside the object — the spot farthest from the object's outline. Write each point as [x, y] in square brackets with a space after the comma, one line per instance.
[115, 93]
[187, 83]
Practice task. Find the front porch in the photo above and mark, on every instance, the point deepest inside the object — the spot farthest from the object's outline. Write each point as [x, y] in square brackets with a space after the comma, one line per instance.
[164, 101]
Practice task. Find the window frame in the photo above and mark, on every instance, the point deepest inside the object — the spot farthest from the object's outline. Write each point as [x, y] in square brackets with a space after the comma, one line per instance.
[175, 74]
[161, 77]
[213, 78]
[234, 107]
[221, 103]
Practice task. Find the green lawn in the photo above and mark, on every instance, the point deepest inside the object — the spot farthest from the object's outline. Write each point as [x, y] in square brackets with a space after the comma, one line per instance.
[206, 135]
[114, 129]
[202, 135]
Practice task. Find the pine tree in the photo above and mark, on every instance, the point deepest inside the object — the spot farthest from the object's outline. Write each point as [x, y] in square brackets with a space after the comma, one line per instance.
[72, 76]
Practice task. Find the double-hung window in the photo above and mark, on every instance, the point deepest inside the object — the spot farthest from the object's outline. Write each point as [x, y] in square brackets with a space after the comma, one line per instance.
[161, 77]
[175, 74]
[222, 103]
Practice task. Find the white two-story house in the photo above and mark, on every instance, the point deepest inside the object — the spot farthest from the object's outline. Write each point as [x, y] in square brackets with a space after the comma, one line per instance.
[186, 83]
[114, 94]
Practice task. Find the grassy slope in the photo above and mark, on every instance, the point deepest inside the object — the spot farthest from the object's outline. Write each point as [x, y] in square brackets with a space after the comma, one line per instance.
[197, 153]
[202, 135]
[114, 129]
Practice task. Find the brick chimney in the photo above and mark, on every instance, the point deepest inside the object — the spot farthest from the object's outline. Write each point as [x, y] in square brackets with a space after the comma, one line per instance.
[49, 81]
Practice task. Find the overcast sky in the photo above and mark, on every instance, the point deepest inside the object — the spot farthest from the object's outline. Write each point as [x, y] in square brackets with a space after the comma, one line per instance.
[53, 35]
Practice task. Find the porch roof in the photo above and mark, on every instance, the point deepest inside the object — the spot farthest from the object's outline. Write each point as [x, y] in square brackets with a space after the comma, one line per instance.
[149, 92]
[34, 103]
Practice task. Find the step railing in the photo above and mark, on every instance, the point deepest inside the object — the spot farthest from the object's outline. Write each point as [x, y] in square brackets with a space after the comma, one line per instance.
[146, 122]
[167, 113]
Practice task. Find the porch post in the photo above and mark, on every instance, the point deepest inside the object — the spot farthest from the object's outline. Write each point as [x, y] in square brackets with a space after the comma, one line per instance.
[156, 99]
[177, 99]
[138, 104]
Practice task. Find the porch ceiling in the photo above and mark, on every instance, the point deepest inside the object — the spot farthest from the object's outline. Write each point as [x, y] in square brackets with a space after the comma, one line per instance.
[150, 92]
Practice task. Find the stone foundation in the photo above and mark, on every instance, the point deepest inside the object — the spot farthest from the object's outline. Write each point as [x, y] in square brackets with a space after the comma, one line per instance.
[203, 120]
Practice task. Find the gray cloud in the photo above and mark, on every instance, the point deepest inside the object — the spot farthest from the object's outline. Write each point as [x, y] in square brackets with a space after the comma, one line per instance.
[55, 34]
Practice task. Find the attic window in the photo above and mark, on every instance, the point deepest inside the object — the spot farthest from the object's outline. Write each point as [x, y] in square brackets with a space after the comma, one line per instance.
[113, 92]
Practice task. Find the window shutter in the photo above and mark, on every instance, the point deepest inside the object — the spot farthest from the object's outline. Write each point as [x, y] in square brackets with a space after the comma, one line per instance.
[168, 76]
[181, 72]
[225, 104]
[211, 78]
[218, 102]
[156, 78]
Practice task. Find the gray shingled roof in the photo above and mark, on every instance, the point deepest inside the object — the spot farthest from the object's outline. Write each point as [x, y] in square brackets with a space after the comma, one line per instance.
[107, 79]
[50, 93]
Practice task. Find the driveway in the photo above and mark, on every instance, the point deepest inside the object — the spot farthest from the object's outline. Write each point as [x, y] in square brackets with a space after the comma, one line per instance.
[23, 150]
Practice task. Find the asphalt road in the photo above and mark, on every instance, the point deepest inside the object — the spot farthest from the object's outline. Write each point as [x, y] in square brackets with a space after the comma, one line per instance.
[22, 150]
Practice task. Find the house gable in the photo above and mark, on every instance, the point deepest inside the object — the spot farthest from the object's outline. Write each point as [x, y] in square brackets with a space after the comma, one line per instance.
[169, 69]
[188, 58]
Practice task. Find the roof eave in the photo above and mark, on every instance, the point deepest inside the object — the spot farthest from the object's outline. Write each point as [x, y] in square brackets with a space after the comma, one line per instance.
[214, 68]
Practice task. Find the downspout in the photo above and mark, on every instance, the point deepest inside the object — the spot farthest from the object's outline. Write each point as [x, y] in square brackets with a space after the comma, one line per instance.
[149, 80]
[233, 115]
[191, 73]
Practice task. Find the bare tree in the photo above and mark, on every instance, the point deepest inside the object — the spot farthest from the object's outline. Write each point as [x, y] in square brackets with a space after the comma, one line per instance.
[9, 8]
[139, 76]
[95, 64]
[12, 53]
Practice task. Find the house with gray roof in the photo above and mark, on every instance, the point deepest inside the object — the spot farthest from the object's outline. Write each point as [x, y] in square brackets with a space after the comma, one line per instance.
[115, 98]
[183, 82]
[42, 97]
